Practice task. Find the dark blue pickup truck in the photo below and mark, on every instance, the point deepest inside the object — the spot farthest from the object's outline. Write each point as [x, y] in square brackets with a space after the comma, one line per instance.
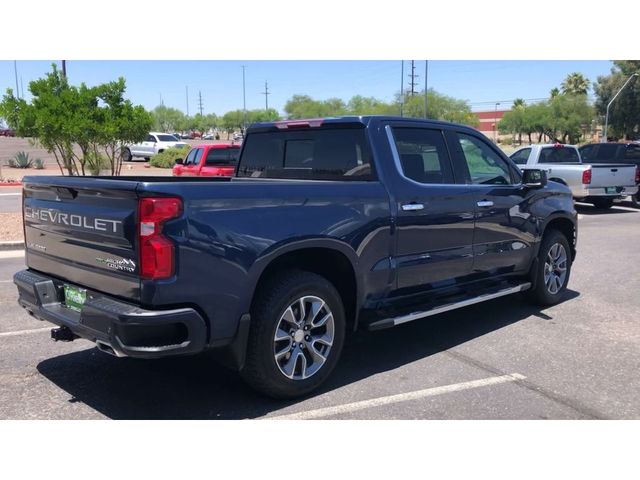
[329, 226]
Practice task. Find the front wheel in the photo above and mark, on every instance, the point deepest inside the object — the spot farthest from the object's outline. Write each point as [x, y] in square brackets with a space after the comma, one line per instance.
[125, 154]
[552, 270]
[603, 203]
[296, 336]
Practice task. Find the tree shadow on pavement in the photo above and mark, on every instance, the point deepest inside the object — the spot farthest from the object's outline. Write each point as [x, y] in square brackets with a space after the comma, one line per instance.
[196, 387]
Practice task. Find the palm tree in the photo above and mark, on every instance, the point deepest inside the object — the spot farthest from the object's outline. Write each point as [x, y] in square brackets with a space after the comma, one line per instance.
[575, 84]
[519, 103]
[554, 92]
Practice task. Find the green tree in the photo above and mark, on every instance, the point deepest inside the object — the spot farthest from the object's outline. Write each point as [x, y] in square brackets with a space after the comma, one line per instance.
[77, 124]
[624, 113]
[575, 84]
[167, 119]
[570, 116]
[554, 92]
[231, 121]
[359, 105]
[439, 107]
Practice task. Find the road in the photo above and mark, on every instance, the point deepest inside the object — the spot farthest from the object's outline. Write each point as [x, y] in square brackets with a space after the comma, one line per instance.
[504, 359]
[10, 199]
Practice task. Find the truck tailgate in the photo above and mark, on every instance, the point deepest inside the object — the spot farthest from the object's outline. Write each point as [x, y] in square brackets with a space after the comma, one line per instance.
[84, 231]
[612, 175]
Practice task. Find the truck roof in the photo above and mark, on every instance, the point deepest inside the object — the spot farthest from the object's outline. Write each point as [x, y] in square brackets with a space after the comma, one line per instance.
[347, 119]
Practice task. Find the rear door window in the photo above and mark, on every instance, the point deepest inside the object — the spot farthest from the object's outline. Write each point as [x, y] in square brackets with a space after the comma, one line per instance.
[559, 155]
[423, 155]
[314, 154]
[607, 153]
[521, 156]
[222, 156]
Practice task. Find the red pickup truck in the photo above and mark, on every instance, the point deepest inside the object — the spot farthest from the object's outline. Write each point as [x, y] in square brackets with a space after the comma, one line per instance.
[216, 160]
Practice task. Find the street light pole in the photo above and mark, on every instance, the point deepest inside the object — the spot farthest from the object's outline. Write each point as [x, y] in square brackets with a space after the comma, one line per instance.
[495, 124]
[606, 119]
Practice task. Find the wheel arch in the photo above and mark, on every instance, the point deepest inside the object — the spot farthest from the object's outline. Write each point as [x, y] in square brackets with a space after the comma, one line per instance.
[330, 258]
[565, 225]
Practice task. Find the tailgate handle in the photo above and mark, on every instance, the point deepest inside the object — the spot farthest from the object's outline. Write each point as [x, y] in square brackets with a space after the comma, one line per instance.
[614, 169]
[66, 193]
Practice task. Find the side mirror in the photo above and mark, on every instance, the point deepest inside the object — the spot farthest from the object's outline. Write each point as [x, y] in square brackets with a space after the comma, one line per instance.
[179, 161]
[534, 178]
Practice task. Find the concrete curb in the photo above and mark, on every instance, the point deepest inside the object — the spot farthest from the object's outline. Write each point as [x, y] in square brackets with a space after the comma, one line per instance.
[10, 184]
[15, 245]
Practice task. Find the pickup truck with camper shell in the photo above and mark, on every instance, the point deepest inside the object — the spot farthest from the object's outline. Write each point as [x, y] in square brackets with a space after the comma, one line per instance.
[328, 226]
[596, 183]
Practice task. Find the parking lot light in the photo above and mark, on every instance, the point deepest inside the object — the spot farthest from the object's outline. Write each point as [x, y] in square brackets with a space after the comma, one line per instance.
[606, 119]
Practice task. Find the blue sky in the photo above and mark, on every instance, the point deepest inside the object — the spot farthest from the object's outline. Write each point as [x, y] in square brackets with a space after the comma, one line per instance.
[220, 81]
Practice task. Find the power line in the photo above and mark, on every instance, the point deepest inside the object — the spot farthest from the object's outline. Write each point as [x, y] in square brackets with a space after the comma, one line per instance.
[187, 96]
[266, 93]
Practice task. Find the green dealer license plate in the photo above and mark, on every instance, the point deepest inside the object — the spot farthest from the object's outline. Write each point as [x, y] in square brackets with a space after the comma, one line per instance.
[74, 298]
[611, 190]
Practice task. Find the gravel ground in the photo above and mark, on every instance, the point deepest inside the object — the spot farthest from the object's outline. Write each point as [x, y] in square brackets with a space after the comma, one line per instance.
[10, 227]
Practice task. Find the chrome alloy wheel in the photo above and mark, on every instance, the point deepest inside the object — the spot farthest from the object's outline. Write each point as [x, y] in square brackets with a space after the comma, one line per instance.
[304, 337]
[555, 268]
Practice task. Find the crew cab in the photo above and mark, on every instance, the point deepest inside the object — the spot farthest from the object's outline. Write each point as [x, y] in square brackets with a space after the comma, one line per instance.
[614, 153]
[328, 226]
[210, 160]
[596, 183]
[156, 142]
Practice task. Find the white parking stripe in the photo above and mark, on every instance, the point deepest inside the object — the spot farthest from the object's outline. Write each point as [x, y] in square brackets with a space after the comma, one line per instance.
[402, 397]
[9, 194]
[25, 332]
[11, 253]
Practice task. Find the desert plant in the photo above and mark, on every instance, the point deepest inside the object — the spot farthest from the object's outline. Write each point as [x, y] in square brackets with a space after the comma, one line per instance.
[21, 160]
[167, 159]
[38, 164]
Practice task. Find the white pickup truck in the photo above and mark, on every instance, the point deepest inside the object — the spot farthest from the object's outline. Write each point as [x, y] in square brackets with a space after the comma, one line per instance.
[597, 183]
[155, 143]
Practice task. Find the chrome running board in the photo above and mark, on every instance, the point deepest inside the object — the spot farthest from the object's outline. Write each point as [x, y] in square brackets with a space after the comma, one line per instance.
[392, 322]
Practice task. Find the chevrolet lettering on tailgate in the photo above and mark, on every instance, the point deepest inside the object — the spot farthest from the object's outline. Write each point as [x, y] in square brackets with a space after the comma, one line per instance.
[49, 215]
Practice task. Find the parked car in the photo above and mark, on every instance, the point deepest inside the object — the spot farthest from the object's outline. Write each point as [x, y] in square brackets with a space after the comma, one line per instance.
[238, 137]
[7, 132]
[596, 183]
[328, 225]
[208, 136]
[614, 153]
[217, 160]
[155, 143]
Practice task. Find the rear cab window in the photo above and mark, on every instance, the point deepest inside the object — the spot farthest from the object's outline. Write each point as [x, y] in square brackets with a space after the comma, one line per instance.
[307, 154]
[559, 154]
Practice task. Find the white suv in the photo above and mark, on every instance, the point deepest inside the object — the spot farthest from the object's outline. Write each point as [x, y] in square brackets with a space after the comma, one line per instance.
[155, 143]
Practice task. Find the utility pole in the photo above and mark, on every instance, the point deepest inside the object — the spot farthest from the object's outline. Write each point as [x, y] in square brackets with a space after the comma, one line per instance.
[266, 94]
[15, 70]
[64, 68]
[244, 103]
[187, 90]
[413, 77]
[401, 85]
[161, 102]
[200, 101]
[426, 76]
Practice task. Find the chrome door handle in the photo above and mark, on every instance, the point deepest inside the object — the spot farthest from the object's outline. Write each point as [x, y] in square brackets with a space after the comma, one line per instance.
[409, 207]
[485, 203]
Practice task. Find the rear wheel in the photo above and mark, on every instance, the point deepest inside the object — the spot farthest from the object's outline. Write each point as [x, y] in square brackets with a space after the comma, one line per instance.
[126, 155]
[603, 203]
[635, 200]
[552, 270]
[296, 337]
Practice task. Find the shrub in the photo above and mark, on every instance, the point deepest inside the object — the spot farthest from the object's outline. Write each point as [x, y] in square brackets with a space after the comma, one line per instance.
[21, 160]
[167, 159]
[38, 164]
[95, 162]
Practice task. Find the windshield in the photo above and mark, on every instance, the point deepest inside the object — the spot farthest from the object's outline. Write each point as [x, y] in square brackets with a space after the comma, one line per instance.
[167, 138]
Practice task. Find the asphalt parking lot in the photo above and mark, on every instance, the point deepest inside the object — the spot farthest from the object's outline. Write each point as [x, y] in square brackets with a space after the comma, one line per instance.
[503, 359]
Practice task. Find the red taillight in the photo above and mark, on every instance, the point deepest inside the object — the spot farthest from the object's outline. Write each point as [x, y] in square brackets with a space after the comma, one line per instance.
[156, 251]
[638, 175]
[586, 177]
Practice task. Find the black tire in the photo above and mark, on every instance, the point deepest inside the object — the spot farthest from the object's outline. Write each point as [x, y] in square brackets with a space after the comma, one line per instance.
[146, 159]
[602, 203]
[541, 294]
[635, 200]
[126, 155]
[261, 371]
